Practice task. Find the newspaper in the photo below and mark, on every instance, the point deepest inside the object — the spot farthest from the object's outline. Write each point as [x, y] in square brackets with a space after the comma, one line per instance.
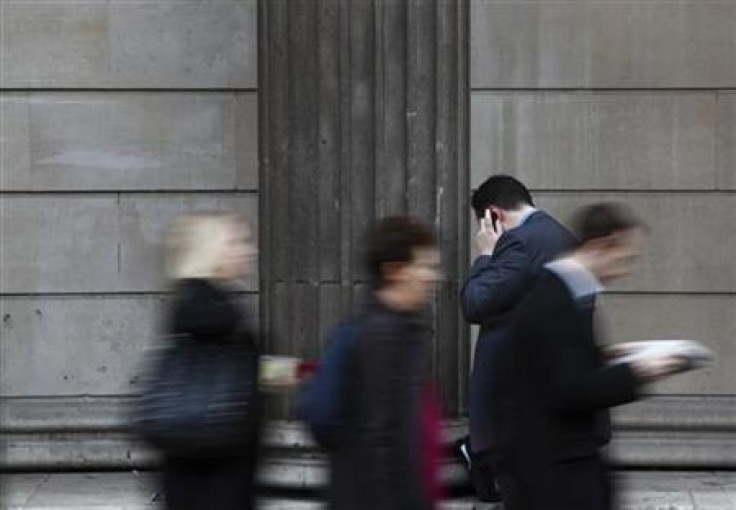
[695, 354]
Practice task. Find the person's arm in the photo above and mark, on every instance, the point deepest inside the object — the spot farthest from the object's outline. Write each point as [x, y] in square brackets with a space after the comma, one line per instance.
[575, 381]
[496, 282]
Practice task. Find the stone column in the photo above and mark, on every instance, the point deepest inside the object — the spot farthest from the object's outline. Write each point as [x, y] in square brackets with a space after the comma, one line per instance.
[364, 113]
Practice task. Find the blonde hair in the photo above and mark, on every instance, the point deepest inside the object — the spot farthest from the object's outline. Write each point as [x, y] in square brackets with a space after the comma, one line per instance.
[195, 242]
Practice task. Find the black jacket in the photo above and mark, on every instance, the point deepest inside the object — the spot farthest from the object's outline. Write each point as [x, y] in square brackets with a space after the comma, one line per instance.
[379, 465]
[495, 286]
[208, 312]
[553, 390]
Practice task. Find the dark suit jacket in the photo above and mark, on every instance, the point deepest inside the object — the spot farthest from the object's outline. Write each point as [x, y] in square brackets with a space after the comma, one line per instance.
[552, 390]
[379, 464]
[495, 286]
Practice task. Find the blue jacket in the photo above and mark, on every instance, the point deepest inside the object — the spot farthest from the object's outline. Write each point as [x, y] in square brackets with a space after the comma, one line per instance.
[495, 286]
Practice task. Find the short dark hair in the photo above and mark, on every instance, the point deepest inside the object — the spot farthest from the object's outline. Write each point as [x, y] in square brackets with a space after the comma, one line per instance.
[394, 239]
[502, 191]
[602, 220]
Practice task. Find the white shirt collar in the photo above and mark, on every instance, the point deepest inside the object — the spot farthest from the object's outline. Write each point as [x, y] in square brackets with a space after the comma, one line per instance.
[528, 211]
[578, 279]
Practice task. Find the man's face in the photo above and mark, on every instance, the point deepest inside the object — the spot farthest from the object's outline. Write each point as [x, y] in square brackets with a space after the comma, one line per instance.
[617, 257]
[417, 279]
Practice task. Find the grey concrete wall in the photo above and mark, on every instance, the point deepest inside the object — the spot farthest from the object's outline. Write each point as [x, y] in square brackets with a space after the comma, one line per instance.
[116, 117]
[629, 101]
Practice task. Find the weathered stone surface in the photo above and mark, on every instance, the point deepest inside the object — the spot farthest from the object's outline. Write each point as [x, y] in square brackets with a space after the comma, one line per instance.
[79, 345]
[621, 140]
[581, 44]
[129, 141]
[69, 243]
[726, 141]
[130, 45]
[75, 346]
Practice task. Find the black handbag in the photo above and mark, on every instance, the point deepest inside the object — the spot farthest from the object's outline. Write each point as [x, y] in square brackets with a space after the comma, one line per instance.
[199, 398]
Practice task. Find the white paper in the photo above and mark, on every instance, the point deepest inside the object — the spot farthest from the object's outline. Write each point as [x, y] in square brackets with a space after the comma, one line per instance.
[696, 354]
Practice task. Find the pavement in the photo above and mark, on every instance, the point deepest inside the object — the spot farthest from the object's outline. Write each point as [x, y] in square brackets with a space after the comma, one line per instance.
[640, 490]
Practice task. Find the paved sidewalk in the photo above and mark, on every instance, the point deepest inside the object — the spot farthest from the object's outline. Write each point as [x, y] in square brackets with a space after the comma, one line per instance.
[135, 491]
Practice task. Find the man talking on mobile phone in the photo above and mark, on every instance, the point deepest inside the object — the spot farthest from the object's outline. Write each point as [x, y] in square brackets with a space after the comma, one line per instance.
[514, 241]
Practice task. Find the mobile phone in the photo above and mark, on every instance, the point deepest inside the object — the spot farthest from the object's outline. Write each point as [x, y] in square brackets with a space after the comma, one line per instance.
[494, 218]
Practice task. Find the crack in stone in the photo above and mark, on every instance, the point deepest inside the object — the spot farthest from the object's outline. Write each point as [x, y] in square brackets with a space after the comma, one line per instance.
[35, 492]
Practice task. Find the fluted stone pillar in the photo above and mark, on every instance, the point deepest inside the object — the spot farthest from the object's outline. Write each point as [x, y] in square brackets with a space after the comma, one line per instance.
[364, 113]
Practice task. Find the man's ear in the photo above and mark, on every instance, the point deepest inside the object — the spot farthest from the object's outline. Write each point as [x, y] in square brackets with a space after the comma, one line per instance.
[502, 216]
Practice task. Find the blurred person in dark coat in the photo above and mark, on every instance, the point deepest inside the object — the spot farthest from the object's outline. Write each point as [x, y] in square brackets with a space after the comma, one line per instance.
[206, 253]
[554, 385]
[514, 241]
[388, 457]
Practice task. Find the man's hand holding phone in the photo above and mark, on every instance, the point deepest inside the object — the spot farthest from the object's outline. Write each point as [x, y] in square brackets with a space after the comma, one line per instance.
[489, 233]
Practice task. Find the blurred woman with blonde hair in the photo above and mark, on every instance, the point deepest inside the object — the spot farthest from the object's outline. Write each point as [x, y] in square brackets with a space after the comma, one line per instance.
[213, 467]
